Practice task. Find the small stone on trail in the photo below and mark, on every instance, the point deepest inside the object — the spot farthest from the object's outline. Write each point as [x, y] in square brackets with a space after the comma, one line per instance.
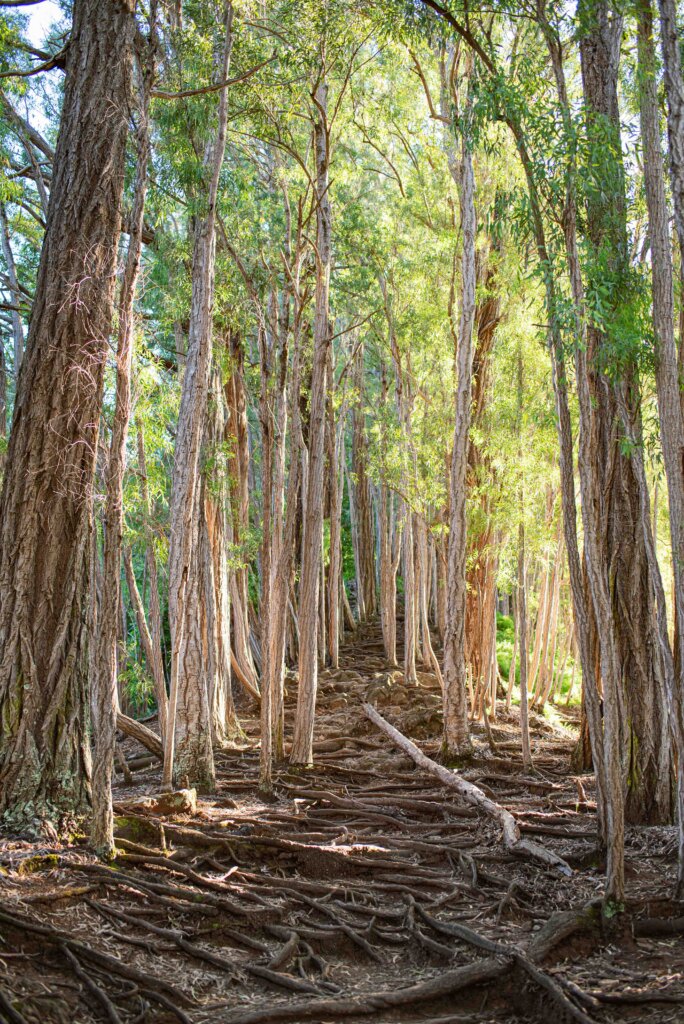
[181, 801]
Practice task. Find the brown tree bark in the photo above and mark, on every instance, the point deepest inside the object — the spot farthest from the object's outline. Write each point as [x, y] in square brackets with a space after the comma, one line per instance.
[15, 293]
[309, 589]
[667, 371]
[238, 523]
[521, 595]
[333, 449]
[184, 562]
[621, 533]
[363, 501]
[104, 699]
[225, 726]
[46, 503]
[674, 90]
[266, 346]
[456, 734]
[3, 407]
[154, 655]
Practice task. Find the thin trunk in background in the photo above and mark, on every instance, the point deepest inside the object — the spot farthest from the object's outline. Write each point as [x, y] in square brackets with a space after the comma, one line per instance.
[155, 656]
[266, 348]
[225, 726]
[333, 445]
[14, 290]
[363, 502]
[238, 520]
[456, 733]
[183, 584]
[309, 588]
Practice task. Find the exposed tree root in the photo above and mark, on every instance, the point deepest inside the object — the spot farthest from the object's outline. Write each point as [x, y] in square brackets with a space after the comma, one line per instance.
[368, 890]
[445, 984]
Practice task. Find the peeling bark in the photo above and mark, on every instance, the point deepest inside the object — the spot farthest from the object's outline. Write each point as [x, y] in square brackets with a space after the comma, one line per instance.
[46, 504]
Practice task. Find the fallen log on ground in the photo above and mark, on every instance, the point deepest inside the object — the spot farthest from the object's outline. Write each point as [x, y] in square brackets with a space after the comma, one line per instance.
[138, 731]
[473, 795]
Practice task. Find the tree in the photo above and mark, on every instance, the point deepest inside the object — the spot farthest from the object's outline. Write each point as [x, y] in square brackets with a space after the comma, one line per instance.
[456, 737]
[312, 537]
[46, 503]
[189, 687]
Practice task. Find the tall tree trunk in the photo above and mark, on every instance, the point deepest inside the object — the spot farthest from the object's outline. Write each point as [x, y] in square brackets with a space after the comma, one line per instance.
[674, 90]
[363, 502]
[334, 444]
[238, 468]
[281, 550]
[225, 726]
[266, 345]
[3, 407]
[104, 697]
[456, 735]
[154, 656]
[514, 655]
[583, 606]
[624, 558]
[184, 591]
[667, 372]
[522, 644]
[390, 552]
[409, 578]
[46, 503]
[193, 762]
[15, 293]
[302, 742]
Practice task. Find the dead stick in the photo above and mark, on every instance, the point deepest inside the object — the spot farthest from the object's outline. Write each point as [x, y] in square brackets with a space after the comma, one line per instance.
[473, 795]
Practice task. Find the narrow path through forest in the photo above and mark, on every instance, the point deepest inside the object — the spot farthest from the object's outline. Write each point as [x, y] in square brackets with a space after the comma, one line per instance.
[364, 890]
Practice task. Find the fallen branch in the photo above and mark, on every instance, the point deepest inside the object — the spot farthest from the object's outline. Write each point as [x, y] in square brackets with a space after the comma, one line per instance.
[138, 731]
[473, 795]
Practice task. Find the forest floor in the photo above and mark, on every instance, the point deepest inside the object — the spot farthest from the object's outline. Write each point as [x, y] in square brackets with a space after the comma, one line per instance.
[365, 891]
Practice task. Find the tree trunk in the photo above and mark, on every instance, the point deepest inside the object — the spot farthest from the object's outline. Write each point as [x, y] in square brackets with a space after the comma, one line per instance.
[225, 726]
[674, 90]
[184, 507]
[266, 345]
[46, 504]
[155, 658]
[456, 735]
[302, 742]
[15, 293]
[363, 502]
[390, 552]
[624, 563]
[583, 607]
[238, 470]
[667, 373]
[514, 655]
[104, 681]
[334, 445]
[3, 408]
[193, 755]
[522, 644]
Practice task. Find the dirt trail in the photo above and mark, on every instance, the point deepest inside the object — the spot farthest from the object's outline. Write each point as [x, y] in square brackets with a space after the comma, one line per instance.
[364, 891]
